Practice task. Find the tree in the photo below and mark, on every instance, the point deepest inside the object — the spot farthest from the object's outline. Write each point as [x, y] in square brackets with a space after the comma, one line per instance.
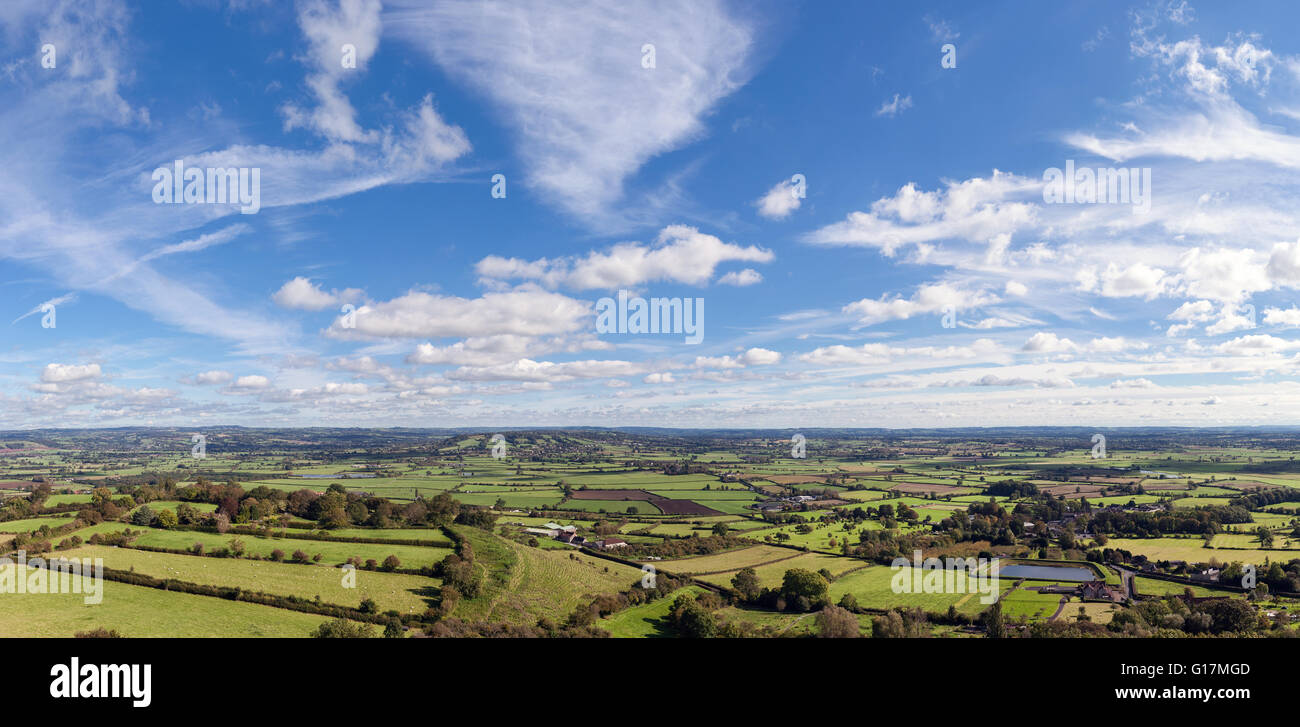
[692, 619]
[144, 516]
[167, 519]
[391, 563]
[992, 621]
[834, 622]
[720, 529]
[341, 628]
[888, 626]
[368, 605]
[747, 584]
[799, 583]
[187, 514]
[1265, 536]
[393, 630]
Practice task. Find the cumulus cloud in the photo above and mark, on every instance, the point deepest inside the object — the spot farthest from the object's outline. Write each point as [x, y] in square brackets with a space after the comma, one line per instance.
[880, 353]
[1256, 345]
[498, 349]
[1138, 280]
[530, 370]
[520, 312]
[1047, 342]
[741, 278]
[67, 373]
[974, 209]
[215, 377]
[1139, 383]
[302, 294]
[780, 201]
[933, 298]
[680, 254]
[751, 357]
[250, 382]
[1289, 317]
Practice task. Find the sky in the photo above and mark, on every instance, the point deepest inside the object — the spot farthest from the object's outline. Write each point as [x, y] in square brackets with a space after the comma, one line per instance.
[862, 205]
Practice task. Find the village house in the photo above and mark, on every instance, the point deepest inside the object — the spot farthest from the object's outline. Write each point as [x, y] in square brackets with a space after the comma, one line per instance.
[609, 543]
[571, 539]
[1098, 591]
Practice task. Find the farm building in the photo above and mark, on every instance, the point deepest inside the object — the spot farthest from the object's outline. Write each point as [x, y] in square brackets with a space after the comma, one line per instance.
[542, 531]
[1098, 591]
[571, 539]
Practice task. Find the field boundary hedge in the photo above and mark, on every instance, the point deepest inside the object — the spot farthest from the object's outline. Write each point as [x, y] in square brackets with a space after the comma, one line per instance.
[290, 603]
[256, 532]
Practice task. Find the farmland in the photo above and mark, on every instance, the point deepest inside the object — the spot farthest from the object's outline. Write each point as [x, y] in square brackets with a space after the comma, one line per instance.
[602, 532]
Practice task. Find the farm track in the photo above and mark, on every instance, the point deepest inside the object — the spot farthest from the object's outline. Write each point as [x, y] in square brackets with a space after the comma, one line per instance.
[1059, 608]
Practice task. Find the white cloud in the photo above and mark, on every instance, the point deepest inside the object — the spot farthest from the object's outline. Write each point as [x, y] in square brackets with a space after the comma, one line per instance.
[974, 209]
[302, 294]
[1256, 345]
[252, 381]
[659, 378]
[680, 254]
[779, 201]
[530, 370]
[1047, 342]
[521, 312]
[498, 349]
[1284, 264]
[932, 298]
[328, 29]
[751, 357]
[569, 77]
[1289, 317]
[741, 278]
[1223, 274]
[1138, 280]
[880, 353]
[67, 373]
[894, 106]
[206, 378]
[1139, 383]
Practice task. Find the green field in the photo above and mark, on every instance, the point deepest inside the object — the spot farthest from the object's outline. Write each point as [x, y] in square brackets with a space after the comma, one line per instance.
[141, 612]
[332, 553]
[645, 620]
[391, 591]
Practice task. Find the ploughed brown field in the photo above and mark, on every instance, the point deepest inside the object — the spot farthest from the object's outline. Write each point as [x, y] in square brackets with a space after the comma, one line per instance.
[17, 485]
[668, 505]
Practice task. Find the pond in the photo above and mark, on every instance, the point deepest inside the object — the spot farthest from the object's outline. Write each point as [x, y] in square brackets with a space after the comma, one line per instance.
[1047, 572]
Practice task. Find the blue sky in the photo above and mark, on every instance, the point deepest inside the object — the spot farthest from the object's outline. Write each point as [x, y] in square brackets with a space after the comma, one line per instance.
[922, 279]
